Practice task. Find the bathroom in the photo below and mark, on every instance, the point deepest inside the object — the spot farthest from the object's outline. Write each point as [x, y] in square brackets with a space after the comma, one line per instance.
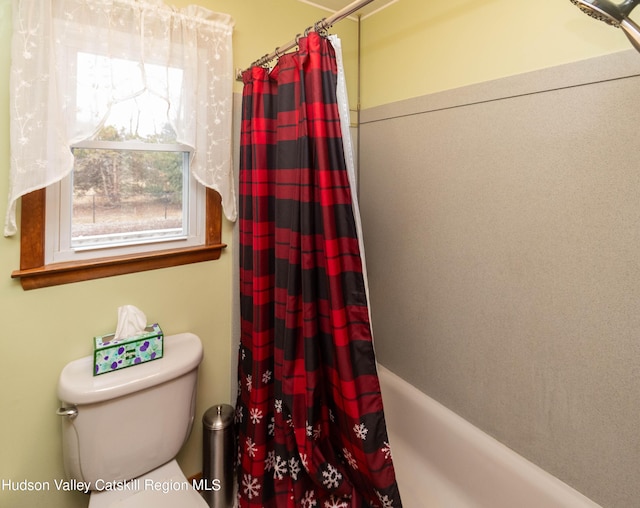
[522, 314]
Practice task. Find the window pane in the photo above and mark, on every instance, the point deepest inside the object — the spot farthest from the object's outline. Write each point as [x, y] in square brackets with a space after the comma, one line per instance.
[132, 98]
[127, 196]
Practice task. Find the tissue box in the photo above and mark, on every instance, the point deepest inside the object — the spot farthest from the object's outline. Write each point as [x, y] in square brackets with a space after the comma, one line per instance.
[110, 355]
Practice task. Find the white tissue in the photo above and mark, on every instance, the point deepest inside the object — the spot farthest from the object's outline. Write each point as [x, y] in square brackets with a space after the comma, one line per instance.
[131, 322]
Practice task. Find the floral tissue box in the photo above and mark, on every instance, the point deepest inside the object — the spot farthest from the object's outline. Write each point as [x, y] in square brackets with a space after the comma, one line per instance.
[110, 355]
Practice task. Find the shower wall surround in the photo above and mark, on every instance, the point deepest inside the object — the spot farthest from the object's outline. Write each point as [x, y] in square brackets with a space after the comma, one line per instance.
[502, 232]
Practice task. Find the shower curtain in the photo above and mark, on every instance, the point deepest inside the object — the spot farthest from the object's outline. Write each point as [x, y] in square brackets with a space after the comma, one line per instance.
[310, 422]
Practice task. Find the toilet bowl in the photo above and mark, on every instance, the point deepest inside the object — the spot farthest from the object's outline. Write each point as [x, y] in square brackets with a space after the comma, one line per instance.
[121, 431]
[164, 487]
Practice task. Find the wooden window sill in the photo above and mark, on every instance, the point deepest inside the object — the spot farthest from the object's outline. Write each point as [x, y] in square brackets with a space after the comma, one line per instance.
[33, 273]
[64, 273]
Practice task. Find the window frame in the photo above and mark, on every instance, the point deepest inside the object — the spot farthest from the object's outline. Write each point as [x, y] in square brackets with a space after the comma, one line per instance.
[34, 273]
[60, 210]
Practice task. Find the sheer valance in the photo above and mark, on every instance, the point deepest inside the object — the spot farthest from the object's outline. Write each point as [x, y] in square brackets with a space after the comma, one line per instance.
[179, 58]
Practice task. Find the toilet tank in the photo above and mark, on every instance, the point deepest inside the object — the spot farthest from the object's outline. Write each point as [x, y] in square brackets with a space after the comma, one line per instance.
[130, 421]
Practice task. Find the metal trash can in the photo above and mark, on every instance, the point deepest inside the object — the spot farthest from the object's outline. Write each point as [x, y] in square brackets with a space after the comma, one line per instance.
[218, 452]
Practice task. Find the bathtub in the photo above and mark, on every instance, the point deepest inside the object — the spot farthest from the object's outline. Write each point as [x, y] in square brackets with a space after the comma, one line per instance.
[442, 461]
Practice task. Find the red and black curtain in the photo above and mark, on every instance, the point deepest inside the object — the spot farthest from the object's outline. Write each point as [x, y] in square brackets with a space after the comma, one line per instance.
[311, 428]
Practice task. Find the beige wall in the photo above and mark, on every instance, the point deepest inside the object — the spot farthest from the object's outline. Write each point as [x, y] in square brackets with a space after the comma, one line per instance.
[44, 329]
[415, 47]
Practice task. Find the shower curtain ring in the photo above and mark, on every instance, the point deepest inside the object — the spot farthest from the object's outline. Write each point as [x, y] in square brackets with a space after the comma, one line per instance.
[307, 30]
[319, 27]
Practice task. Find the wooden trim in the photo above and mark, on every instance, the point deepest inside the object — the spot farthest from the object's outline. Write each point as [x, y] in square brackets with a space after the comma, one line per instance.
[214, 218]
[35, 274]
[32, 230]
[194, 478]
[64, 273]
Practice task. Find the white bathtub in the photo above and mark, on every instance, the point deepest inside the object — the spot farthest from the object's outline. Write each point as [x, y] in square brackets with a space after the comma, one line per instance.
[442, 461]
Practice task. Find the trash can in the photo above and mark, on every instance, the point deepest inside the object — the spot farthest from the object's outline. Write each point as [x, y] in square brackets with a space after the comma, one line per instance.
[218, 452]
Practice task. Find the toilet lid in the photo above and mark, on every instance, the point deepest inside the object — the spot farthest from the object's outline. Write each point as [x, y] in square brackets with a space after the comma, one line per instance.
[164, 487]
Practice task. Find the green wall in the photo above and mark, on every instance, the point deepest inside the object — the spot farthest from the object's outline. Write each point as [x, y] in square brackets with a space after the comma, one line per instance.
[44, 329]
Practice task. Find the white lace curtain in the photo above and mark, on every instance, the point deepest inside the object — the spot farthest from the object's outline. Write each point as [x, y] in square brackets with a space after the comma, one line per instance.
[48, 115]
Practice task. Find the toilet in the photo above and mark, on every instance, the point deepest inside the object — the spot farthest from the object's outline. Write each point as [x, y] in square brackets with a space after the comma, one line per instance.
[121, 431]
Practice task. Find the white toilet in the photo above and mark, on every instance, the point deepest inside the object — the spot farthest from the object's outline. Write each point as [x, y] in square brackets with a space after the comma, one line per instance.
[121, 431]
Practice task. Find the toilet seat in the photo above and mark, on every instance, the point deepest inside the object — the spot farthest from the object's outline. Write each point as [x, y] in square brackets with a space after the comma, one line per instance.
[164, 487]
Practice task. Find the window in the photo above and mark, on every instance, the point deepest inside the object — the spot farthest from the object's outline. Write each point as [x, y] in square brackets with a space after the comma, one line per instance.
[137, 96]
[124, 194]
[130, 190]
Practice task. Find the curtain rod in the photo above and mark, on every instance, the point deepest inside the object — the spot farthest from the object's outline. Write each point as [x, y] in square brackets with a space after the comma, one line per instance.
[323, 24]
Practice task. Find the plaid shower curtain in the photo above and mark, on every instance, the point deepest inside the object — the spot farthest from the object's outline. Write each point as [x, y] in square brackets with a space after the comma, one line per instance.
[311, 428]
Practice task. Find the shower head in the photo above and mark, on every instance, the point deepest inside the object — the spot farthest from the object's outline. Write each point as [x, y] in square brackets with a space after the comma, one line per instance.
[613, 14]
[605, 10]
